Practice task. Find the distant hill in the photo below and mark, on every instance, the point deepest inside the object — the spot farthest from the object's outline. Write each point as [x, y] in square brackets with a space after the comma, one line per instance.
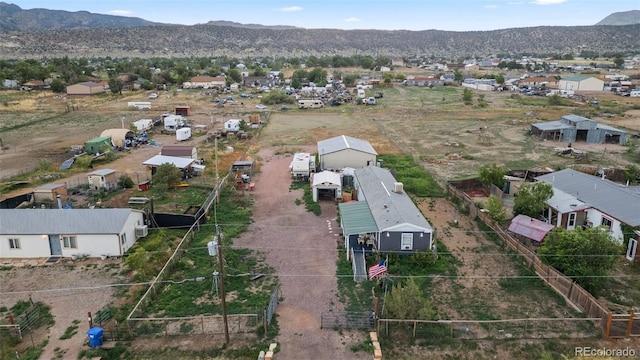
[211, 41]
[14, 18]
[250, 26]
[622, 18]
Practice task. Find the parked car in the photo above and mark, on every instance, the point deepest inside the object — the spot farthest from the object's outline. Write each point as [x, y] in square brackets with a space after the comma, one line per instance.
[261, 106]
[153, 96]
[335, 103]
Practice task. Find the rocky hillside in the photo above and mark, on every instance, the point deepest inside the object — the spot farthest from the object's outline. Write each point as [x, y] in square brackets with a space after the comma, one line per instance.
[12, 17]
[212, 40]
[622, 18]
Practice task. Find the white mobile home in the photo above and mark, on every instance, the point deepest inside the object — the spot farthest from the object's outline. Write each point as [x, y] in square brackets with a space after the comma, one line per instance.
[43, 233]
[310, 104]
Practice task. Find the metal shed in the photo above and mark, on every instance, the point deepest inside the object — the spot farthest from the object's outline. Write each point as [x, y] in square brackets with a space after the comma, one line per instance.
[326, 184]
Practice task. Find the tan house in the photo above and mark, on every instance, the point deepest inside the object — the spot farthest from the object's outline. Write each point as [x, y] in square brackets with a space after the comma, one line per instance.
[85, 88]
[49, 192]
[102, 179]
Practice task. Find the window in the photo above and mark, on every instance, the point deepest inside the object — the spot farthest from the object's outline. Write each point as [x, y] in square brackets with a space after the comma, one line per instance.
[406, 242]
[606, 222]
[572, 219]
[69, 242]
[14, 243]
[123, 239]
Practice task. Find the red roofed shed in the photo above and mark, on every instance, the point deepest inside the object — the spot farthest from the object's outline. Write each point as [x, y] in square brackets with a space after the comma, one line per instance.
[530, 228]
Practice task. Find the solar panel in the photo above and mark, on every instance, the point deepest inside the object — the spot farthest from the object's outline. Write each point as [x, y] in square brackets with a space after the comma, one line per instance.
[67, 164]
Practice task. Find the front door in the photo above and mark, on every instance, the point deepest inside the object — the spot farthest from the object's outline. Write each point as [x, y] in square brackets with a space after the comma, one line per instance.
[54, 245]
[571, 224]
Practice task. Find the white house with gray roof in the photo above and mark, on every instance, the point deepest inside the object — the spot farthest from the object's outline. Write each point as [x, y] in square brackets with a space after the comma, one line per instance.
[398, 225]
[345, 151]
[594, 201]
[43, 233]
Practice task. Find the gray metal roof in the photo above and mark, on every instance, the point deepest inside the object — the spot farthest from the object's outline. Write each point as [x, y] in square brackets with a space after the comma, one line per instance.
[62, 221]
[357, 218]
[619, 201]
[342, 142]
[576, 118]
[391, 210]
[102, 172]
[610, 128]
[552, 125]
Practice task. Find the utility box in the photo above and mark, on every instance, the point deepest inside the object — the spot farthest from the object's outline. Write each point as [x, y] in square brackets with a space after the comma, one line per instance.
[95, 336]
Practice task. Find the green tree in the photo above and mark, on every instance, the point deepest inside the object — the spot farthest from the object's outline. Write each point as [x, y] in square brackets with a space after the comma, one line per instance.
[457, 75]
[587, 255]
[496, 210]
[493, 174]
[467, 96]
[482, 102]
[57, 86]
[165, 176]
[125, 182]
[531, 199]
[555, 100]
[408, 302]
[631, 174]
[500, 79]
[618, 62]
[234, 75]
[115, 85]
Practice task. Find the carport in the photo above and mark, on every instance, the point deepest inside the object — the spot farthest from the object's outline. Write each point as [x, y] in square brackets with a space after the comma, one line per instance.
[326, 185]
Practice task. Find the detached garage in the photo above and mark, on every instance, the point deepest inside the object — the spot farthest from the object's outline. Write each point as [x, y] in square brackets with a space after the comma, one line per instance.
[326, 185]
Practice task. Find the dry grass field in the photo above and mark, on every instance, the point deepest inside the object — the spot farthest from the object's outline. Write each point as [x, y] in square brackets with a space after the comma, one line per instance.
[449, 139]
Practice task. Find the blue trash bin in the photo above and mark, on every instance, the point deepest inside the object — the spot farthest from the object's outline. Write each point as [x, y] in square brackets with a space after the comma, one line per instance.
[95, 336]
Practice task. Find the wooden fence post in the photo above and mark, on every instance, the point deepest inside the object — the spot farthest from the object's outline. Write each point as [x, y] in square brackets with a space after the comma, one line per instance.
[630, 323]
[607, 329]
[415, 323]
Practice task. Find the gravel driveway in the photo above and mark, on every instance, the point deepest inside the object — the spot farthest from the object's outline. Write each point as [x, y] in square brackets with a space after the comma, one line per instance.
[302, 248]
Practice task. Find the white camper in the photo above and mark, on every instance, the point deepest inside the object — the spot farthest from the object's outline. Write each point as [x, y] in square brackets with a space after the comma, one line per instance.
[302, 165]
[232, 125]
[173, 122]
[143, 125]
[310, 104]
[140, 105]
[183, 134]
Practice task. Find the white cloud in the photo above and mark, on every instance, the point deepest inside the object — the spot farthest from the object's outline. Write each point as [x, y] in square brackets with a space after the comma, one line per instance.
[291, 8]
[548, 2]
[491, 6]
[120, 12]
[351, 20]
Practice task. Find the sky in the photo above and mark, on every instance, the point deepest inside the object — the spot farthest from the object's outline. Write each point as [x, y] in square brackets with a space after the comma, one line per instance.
[450, 15]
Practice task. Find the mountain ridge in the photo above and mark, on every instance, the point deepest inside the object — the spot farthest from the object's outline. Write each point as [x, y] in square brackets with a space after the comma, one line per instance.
[621, 18]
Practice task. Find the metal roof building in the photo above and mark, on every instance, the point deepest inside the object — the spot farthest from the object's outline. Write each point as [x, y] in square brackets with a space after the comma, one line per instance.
[345, 151]
[618, 201]
[530, 228]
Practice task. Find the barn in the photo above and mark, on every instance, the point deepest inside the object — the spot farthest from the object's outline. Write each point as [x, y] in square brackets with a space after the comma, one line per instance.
[85, 88]
[345, 151]
[326, 185]
[581, 83]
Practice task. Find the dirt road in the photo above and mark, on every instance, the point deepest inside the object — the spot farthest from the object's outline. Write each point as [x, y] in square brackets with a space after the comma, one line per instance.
[302, 247]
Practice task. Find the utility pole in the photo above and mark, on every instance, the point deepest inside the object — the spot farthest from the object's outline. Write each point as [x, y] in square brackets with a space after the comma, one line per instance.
[222, 293]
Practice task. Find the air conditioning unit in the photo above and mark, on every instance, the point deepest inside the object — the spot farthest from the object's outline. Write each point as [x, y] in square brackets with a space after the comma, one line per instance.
[397, 187]
[142, 231]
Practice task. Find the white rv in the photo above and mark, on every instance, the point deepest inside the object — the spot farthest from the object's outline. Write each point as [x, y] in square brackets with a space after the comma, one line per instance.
[310, 104]
[173, 122]
[302, 165]
[232, 125]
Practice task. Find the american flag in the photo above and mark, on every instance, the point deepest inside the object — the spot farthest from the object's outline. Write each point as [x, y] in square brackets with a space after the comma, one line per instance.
[377, 269]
